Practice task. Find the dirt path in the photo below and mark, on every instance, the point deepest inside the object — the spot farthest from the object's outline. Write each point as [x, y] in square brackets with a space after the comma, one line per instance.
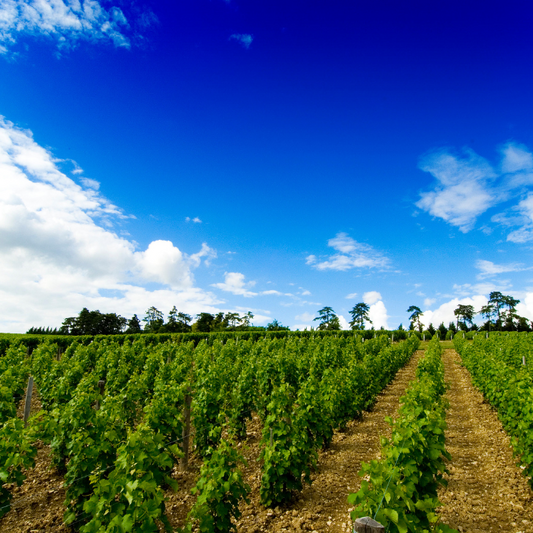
[37, 505]
[323, 505]
[486, 491]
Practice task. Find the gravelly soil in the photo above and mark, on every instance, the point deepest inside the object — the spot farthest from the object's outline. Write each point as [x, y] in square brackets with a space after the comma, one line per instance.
[486, 491]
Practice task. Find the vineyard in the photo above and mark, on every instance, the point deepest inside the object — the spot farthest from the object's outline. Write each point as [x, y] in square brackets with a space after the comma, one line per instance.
[128, 428]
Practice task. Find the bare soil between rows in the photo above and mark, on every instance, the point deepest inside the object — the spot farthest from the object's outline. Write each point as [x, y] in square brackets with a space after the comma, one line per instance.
[486, 490]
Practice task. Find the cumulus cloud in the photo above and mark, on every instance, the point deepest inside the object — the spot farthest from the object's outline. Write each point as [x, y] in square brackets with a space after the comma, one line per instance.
[468, 185]
[371, 297]
[58, 251]
[234, 283]
[196, 220]
[379, 315]
[67, 22]
[444, 313]
[377, 312]
[350, 254]
[245, 39]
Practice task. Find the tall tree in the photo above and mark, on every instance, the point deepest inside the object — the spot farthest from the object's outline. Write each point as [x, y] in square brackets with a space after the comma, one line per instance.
[466, 313]
[328, 319]
[497, 300]
[276, 326]
[178, 322]
[246, 320]
[204, 322]
[94, 323]
[415, 317]
[488, 312]
[154, 320]
[360, 315]
[134, 325]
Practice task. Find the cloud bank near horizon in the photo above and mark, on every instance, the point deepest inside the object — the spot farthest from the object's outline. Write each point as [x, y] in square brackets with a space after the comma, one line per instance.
[57, 244]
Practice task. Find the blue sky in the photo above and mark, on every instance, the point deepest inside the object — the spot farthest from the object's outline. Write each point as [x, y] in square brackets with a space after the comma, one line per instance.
[267, 156]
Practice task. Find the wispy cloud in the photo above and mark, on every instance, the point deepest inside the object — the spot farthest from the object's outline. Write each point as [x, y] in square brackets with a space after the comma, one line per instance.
[245, 39]
[196, 220]
[467, 186]
[463, 190]
[350, 254]
[67, 22]
[489, 269]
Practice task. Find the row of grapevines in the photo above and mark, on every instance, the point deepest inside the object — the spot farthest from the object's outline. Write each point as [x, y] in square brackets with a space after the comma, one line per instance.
[16, 450]
[401, 491]
[302, 416]
[497, 371]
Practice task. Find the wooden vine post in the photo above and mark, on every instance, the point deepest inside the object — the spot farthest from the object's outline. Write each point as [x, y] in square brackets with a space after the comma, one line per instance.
[186, 430]
[101, 386]
[367, 525]
[27, 404]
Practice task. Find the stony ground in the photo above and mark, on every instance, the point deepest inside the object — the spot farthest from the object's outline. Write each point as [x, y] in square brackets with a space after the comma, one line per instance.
[486, 491]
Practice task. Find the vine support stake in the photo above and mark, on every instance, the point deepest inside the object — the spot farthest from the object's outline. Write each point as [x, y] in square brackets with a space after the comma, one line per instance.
[27, 405]
[101, 385]
[524, 360]
[367, 525]
[186, 430]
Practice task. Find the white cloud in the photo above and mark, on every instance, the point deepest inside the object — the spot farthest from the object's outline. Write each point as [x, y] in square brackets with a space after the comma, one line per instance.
[489, 269]
[516, 158]
[350, 254]
[525, 307]
[343, 322]
[486, 287]
[196, 220]
[90, 184]
[463, 190]
[444, 313]
[305, 317]
[301, 327]
[351, 296]
[234, 283]
[371, 297]
[67, 22]
[55, 258]
[245, 39]
[468, 186]
[525, 233]
[378, 314]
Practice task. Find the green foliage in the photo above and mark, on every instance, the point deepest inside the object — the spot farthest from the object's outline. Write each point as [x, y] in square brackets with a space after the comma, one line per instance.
[132, 497]
[220, 488]
[16, 454]
[401, 491]
[495, 365]
[290, 456]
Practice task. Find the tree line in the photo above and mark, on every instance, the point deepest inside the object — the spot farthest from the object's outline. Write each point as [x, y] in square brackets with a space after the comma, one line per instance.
[499, 314]
[97, 323]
